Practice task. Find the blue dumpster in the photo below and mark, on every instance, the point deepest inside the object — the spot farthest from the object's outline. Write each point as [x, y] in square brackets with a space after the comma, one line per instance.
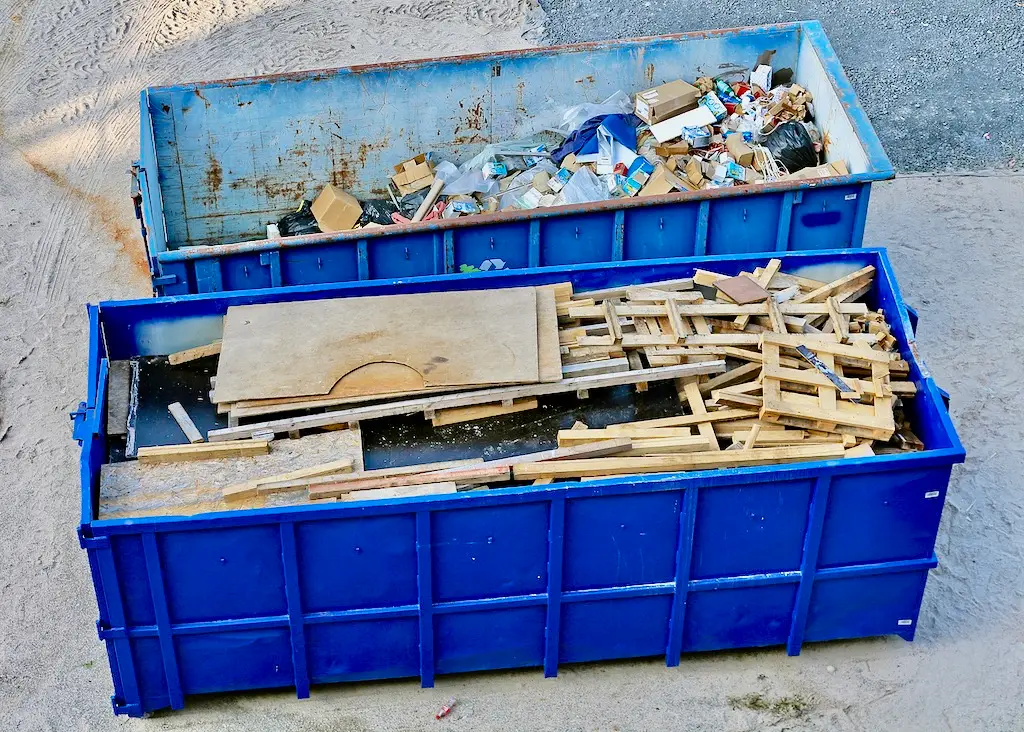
[513, 577]
[220, 160]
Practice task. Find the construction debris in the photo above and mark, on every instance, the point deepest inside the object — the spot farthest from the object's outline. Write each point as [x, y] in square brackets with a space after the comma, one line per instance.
[769, 367]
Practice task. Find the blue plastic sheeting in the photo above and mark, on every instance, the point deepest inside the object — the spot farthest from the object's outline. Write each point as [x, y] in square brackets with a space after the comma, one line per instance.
[219, 160]
[653, 565]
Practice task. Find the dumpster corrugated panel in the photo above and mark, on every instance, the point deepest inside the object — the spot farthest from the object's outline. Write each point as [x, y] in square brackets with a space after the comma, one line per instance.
[513, 577]
[222, 159]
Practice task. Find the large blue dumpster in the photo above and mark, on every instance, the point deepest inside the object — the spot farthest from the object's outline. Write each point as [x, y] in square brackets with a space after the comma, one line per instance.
[219, 160]
[651, 565]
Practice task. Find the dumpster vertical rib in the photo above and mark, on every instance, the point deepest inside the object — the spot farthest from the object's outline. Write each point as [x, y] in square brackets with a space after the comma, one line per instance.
[449, 252]
[785, 221]
[808, 564]
[618, 235]
[700, 239]
[439, 254]
[362, 259]
[273, 261]
[533, 244]
[158, 591]
[861, 217]
[293, 596]
[118, 632]
[684, 556]
[556, 547]
[425, 594]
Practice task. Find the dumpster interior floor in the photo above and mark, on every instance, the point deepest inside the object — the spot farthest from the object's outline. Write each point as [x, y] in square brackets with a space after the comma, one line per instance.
[68, 130]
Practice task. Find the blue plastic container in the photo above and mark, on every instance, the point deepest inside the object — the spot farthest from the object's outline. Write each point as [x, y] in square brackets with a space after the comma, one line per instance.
[534, 576]
[219, 160]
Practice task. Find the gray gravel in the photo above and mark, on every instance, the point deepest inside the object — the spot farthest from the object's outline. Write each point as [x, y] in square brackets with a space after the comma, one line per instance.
[934, 77]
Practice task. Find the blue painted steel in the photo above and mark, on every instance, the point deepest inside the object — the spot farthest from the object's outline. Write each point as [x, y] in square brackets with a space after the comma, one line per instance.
[654, 565]
[218, 160]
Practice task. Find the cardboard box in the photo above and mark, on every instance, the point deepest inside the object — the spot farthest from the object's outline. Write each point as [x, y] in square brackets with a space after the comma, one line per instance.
[740, 151]
[679, 147]
[662, 181]
[695, 172]
[667, 100]
[413, 175]
[821, 171]
[336, 210]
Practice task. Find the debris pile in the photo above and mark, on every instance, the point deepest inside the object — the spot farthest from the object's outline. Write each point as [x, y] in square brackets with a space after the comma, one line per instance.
[768, 368]
[675, 137]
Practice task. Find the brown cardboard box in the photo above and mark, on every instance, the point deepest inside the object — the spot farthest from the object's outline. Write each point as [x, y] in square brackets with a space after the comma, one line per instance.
[336, 210]
[740, 151]
[413, 175]
[668, 100]
[821, 171]
[662, 181]
[694, 171]
[678, 147]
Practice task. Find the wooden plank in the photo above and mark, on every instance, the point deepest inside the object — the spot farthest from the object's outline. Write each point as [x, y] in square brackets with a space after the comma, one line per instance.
[379, 344]
[480, 411]
[746, 354]
[687, 420]
[590, 368]
[779, 323]
[707, 278]
[663, 445]
[305, 483]
[469, 475]
[840, 326]
[746, 372]
[568, 438]
[723, 339]
[820, 294]
[818, 345]
[406, 491]
[188, 427]
[738, 399]
[591, 449]
[465, 399]
[781, 279]
[193, 354]
[611, 317]
[282, 481]
[684, 283]
[727, 310]
[549, 359]
[674, 463]
[119, 385]
[696, 402]
[647, 294]
[830, 420]
[862, 450]
[205, 451]
[812, 377]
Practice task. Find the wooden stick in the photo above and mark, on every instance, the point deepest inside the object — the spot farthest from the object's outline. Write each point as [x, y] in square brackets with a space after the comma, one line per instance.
[685, 283]
[185, 422]
[593, 449]
[179, 453]
[686, 420]
[465, 399]
[281, 482]
[192, 354]
[405, 491]
[751, 437]
[567, 438]
[674, 463]
[475, 474]
[457, 415]
[831, 288]
[306, 483]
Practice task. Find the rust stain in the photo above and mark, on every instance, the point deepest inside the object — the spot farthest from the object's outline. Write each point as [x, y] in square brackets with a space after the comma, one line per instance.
[475, 116]
[473, 139]
[102, 211]
[520, 104]
[649, 73]
[214, 178]
[205, 100]
[588, 79]
[365, 148]
[826, 141]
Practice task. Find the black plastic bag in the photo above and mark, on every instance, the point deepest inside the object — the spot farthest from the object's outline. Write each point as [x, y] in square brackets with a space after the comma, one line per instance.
[377, 211]
[792, 146]
[299, 222]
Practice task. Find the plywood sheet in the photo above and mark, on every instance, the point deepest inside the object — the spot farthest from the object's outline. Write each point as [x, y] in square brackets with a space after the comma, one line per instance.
[375, 345]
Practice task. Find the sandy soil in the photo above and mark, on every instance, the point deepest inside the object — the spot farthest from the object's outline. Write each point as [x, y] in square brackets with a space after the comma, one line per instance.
[70, 71]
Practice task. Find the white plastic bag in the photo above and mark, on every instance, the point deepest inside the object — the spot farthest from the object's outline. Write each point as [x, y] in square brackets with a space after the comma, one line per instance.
[583, 187]
[567, 121]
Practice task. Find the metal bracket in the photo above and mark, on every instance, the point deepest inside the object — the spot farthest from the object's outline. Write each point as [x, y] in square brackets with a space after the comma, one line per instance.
[79, 419]
[92, 542]
[132, 710]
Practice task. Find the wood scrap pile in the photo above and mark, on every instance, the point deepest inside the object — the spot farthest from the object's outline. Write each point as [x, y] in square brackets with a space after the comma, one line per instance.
[812, 372]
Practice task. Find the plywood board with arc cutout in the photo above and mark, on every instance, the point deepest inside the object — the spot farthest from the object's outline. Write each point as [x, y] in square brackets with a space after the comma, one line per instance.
[373, 345]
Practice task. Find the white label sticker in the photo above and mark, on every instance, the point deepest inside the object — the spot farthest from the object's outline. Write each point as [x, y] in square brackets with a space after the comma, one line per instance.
[905, 621]
[931, 494]
[851, 196]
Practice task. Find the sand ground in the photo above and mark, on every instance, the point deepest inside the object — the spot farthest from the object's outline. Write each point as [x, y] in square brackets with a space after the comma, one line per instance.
[70, 71]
